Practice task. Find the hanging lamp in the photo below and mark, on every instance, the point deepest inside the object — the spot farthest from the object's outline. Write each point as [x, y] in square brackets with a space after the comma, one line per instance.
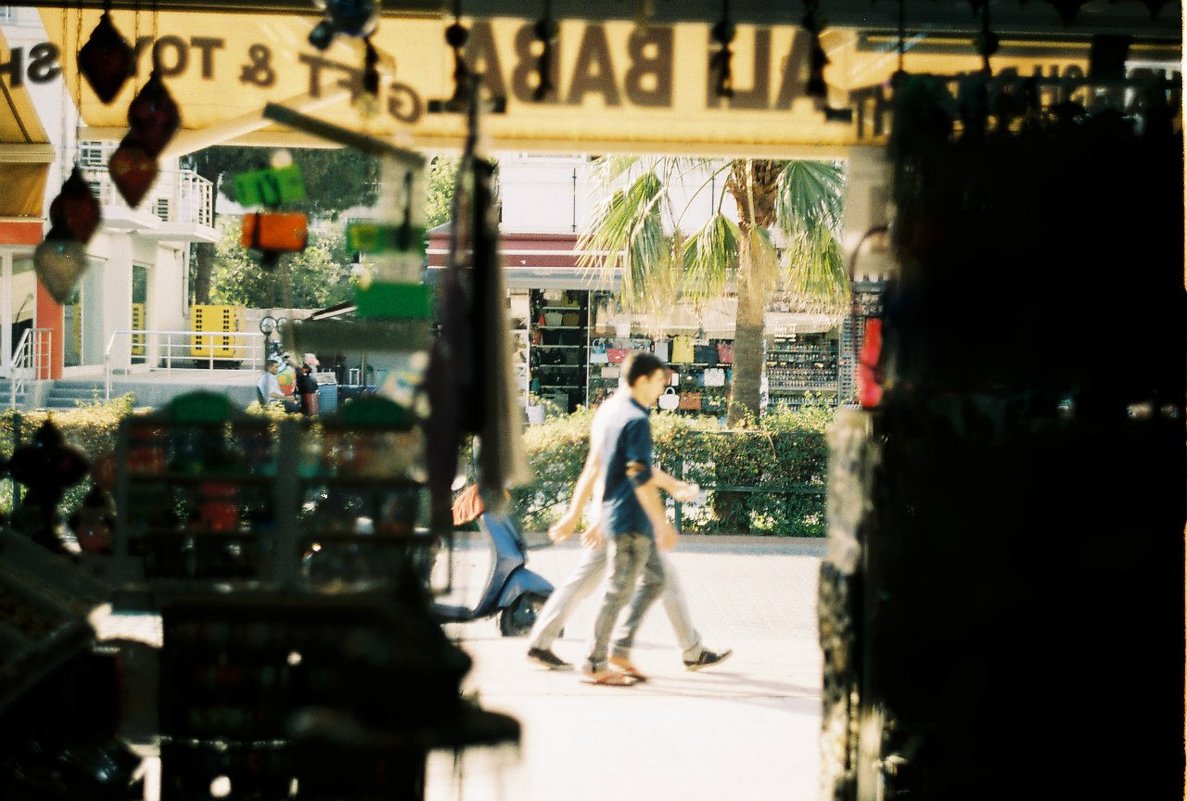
[75, 209]
[106, 60]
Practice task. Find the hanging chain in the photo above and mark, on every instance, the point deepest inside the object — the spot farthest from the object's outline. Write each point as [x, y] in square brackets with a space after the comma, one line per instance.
[456, 36]
[78, 80]
[817, 58]
[546, 30]
[720, 62]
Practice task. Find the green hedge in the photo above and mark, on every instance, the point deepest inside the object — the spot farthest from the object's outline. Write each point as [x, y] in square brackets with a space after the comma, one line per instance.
[778, 464]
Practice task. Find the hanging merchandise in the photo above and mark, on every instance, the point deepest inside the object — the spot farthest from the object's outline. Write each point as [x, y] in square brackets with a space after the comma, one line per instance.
[663, 350]
[669, 401]
[153, 117]
[616, 355]
[106, 60]
[682, 352]
[704, 354]
[725, 352]
[272, 233]
[59, 262]
[597, 352]
[75, 209]
[357, 18]
[714, 377]
[132, 171]
[690, 401]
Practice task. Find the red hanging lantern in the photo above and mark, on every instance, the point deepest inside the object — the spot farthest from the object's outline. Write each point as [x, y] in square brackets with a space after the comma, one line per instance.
[132, 170]
[153, 116]
[76, 209]
[106, 60]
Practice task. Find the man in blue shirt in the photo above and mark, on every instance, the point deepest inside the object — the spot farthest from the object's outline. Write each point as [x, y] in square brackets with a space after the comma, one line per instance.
[632, 513]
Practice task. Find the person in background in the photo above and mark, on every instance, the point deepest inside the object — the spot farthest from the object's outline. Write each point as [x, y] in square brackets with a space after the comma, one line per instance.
[268, 389]
[307, 385]
[584, 580]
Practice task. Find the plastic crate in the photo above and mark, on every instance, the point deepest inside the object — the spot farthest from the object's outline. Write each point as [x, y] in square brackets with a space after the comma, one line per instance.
[224, 323]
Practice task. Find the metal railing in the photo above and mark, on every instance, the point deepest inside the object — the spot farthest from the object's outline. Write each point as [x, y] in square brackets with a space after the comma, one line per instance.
[156, 350]
[30, 361]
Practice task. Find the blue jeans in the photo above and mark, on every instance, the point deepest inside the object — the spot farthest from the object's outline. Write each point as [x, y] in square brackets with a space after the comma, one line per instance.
[581, 584]
[630, 556]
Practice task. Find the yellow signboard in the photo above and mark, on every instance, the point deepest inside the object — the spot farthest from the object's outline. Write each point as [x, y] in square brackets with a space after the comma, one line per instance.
[619, 87]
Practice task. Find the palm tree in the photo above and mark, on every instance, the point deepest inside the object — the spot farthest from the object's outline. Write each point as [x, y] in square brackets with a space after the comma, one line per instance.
[639, 230]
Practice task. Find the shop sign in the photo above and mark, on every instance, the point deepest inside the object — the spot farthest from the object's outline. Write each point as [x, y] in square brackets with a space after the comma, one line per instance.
[618, 86]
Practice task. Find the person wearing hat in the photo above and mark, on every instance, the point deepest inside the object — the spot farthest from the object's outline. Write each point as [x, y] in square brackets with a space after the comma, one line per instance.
[307, 385]
[268, 388]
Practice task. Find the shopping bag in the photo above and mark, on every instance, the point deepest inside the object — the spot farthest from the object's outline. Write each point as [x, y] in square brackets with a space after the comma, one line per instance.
[682, 350]
[616, 355]
[715, 377]
[725, 352]
[669, 400]
[704, 354]
[663, 350]
[597, 352]
[690, 401]
[611, 372]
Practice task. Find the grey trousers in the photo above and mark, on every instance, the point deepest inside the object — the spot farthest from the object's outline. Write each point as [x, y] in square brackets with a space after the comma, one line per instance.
[581, 584]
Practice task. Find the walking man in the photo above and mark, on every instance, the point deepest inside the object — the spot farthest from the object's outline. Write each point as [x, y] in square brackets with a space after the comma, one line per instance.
[632, 515]
[584, 580]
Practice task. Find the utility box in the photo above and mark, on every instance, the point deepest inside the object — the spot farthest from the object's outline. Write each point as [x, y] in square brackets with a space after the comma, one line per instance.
[224, 323]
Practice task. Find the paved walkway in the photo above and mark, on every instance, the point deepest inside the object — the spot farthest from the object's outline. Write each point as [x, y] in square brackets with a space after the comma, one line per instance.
[747, 731]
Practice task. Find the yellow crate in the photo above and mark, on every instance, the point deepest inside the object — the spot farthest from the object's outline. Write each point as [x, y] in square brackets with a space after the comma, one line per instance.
[224, 322]
[138, 325]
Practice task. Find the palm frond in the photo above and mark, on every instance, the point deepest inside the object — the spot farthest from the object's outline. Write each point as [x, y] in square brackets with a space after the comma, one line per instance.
[626, 233]
[810, 196]
[818, 276]
[710, 257]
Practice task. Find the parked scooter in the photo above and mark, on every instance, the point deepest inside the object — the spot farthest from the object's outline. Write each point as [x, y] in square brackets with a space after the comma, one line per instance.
[512, 591]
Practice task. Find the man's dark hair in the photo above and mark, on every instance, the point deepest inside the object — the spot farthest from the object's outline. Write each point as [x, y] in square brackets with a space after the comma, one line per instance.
[640, 364]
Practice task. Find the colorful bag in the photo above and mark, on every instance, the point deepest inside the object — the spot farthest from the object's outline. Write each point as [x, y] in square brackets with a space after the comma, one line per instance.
[663, 349]
[704, 354]
[682, 352]
[690, 401]
[715, 377]
[616, 355]
[725, 352]
[597, 352]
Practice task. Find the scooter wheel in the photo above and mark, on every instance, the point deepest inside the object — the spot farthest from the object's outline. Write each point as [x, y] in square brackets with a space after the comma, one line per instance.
[517, 620]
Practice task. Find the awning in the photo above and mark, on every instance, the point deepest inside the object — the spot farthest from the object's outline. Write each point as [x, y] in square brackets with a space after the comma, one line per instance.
[25, 152]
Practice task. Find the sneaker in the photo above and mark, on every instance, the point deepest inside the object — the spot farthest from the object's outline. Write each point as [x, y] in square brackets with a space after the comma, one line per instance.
[707, 659]
[546, 658]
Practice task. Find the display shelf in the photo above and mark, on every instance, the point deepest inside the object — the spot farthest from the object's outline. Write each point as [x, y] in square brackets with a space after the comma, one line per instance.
[565, 381]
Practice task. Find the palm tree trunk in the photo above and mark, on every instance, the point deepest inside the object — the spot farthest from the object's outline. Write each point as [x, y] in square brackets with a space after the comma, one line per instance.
[745, 390]
[203, 269]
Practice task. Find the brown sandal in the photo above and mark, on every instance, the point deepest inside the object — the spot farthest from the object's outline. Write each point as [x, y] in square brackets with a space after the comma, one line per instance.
[628, 668]
[608, 678]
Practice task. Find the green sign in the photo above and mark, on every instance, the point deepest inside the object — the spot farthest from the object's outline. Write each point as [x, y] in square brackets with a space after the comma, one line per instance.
[374, 237]
[269, 187]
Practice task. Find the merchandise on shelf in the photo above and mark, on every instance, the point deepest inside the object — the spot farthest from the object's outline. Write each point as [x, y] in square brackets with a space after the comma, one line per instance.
[799, 364]
[558, 353]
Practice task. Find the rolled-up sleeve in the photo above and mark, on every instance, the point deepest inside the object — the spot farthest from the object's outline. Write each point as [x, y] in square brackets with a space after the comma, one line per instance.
[637, 450]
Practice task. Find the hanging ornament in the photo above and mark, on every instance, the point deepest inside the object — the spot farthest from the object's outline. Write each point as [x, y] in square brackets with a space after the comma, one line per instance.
[546, 31]
[456, 36]
[106, 60]
[76, 209]
[153, 116]
[817, 58]
[132, 170]
[720, 62]
[370, 69]
[59, 262]
[357, 18]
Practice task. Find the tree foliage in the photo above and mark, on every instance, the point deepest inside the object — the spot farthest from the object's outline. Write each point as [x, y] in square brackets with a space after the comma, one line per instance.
[317, 277]
[641, 232]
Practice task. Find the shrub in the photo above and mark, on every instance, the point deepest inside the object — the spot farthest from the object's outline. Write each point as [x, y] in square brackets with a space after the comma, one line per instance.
[765, 479]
